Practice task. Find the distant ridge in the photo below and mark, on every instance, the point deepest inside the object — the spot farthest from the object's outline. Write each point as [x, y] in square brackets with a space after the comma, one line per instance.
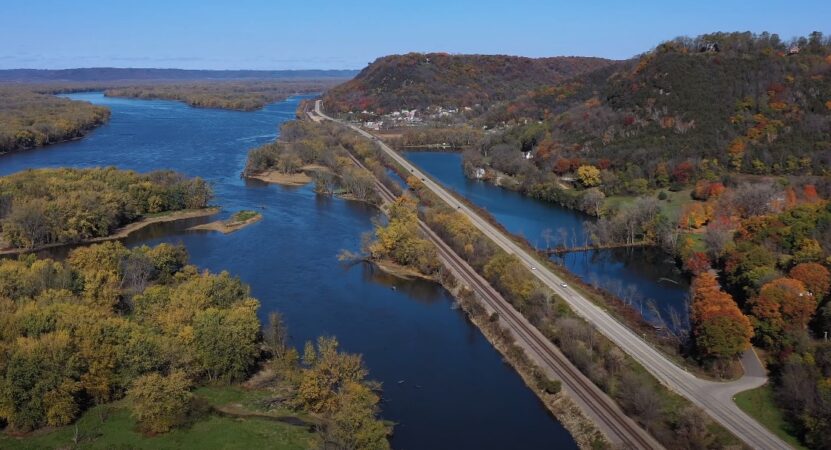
[418, 80]
[138, 74]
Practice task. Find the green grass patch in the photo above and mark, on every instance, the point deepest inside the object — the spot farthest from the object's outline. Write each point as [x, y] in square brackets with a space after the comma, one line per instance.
[758, 403]
[242, 216]
[111, 426]
[671, 206]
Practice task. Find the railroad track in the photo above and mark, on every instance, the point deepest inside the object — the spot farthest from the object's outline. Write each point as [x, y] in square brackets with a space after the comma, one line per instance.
[714, 397]
[619, 428]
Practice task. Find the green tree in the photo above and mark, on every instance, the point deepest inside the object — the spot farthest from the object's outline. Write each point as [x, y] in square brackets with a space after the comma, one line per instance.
[160, 403]
[226, 341]
[354, 424]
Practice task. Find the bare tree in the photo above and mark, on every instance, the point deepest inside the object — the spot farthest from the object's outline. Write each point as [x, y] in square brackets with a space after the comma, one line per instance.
[592, 201]
[547, 235]
[716, 238]
[137, 270]
[755, 199]
[276, 334]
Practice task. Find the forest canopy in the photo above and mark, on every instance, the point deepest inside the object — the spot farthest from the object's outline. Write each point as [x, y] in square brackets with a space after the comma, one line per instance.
[77, 333]
[31, 119]
[48, 206]
[418, 80]
[236, 95]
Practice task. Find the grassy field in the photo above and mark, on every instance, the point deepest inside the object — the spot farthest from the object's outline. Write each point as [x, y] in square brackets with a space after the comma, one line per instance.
[759, 404]
[671, 207]
[117, 429]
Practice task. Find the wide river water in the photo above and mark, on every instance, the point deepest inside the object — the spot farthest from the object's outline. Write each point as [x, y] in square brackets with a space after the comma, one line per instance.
[642, 276]
[444, 385]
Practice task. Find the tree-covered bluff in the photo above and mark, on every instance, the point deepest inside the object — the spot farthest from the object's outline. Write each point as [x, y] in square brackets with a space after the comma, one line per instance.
[418, 80]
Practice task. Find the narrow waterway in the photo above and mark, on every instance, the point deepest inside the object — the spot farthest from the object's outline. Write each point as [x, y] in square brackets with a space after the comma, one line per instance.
[444, 385]
[644, 277]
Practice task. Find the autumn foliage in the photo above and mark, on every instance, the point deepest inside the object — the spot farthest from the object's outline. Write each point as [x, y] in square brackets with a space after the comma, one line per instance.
[815, 277]
[782, 305]
[720, 330]
[697, 263]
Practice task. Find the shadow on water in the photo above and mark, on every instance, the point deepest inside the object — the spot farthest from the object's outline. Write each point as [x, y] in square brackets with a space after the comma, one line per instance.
[444, 385]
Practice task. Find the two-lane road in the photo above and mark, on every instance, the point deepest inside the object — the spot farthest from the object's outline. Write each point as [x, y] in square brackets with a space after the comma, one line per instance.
[714, 398]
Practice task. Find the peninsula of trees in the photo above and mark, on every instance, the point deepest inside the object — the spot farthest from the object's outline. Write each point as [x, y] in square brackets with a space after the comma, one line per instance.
[63, 206]
[140, 329]
[30, 119]
[236, 95]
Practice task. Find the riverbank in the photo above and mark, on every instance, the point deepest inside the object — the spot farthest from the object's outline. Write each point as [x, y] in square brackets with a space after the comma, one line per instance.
[58, 119]
[397, 270]
[315, 292]
[585, 432]
[300, 178]
[122, 232]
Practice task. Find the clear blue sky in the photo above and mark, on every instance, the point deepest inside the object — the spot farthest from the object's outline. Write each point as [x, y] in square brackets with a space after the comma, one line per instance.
[347, 34]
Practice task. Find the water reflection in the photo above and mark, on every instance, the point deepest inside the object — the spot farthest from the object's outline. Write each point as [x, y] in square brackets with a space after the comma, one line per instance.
[641, 276]
[456, 391]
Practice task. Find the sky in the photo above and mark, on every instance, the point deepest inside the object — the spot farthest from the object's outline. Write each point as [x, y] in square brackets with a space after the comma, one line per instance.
[349, 34]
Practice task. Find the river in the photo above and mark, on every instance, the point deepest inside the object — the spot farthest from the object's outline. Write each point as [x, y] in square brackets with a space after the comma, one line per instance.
[640, 276]
[444, 385]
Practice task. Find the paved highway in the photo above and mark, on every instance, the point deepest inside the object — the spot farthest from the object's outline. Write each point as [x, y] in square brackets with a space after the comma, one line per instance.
[599, 407]
[715, 398]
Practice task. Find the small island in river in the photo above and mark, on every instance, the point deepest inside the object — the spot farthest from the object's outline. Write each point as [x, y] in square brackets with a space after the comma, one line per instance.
[238, 221]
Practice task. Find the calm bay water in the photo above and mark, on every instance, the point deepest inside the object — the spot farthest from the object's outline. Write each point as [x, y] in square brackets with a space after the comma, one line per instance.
[444, 385]
[640, 276]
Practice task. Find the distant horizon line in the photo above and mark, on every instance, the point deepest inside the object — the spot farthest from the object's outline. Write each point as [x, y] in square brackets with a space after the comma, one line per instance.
[179, 68]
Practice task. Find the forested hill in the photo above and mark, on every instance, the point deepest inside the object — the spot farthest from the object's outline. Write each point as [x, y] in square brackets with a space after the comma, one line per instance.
[418, 80]
[753, 102]
[137, 74]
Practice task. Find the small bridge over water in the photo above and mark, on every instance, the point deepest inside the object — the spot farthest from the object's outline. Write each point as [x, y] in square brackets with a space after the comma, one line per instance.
[584, 248]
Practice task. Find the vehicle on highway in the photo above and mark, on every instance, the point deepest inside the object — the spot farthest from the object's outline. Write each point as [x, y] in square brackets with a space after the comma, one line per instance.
[563, 285]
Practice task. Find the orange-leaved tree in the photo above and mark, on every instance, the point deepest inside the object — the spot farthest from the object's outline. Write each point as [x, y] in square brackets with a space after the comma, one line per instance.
[719, 328]
[815, 277]
[782, 305]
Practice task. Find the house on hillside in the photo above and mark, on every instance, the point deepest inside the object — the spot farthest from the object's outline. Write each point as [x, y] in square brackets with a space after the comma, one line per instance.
[709, 47]
[793, 50]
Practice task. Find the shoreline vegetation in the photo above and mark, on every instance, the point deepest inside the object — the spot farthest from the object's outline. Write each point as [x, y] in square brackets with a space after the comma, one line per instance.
[666, 415]
[712, 147]
[231, 95]
[397, 248]
[122, 232]
[115, 344]
[237, 222]
[32, 115]
[42, 208]
[30, 119]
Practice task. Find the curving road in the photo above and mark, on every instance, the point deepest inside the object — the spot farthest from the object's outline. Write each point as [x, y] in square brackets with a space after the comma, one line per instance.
[715, 398]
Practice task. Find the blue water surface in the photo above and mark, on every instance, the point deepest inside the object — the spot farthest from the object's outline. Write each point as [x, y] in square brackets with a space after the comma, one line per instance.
[645, 278]
[444, 385]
